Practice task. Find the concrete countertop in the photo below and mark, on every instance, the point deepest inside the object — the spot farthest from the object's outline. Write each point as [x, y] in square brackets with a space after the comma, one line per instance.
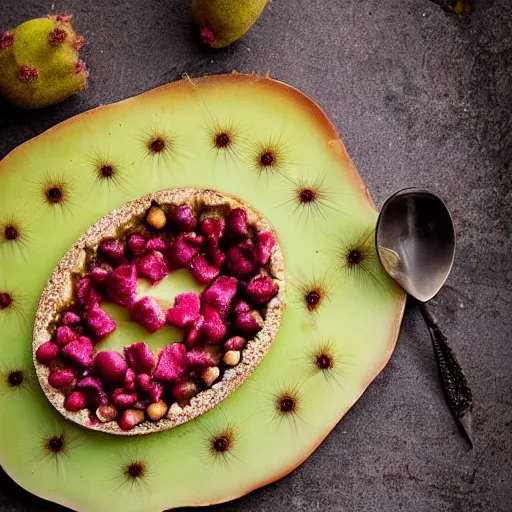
[420, 97]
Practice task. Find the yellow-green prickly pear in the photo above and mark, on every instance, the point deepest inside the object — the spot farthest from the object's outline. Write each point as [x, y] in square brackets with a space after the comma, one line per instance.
[222, 22]
[39, 63]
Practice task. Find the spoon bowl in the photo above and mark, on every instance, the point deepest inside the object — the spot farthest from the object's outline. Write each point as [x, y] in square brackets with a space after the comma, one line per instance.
[415, 241]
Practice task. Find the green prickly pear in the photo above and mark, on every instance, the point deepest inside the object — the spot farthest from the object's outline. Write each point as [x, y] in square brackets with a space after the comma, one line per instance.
[39, 64]
[222, 22]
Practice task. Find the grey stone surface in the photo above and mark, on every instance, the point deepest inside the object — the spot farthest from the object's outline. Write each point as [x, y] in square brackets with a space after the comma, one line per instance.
[420, 98]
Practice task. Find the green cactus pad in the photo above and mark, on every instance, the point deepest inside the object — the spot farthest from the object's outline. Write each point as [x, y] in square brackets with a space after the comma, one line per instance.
[272, 147]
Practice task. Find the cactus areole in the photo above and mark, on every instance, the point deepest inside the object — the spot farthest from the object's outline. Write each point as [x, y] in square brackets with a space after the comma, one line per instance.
[198, 264]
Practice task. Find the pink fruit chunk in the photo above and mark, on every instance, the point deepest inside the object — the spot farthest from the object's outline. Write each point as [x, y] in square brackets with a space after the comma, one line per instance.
[235, 343]
[112, 250]
[140, 357]
[93, 391]
[64, 335]
[79, 351]
[213, 252]
[184, 390]
[111, 366]
[156, 244]
[195, 332]
[236, 223]
[149, 387]
[202, 270]
[141, 405]
[137, 245]
[240, 261]
[212, 328]
[122, 285]
[263, 248]
[100, 323]
[183, 249]
[130, 419]
[153, 266]
[47, 352]
[148, 313]
[261, 289]
[70, 318]
[242, 307]
[61, 377]
[201, 358]
[220, 294]
[98, 275]
[249, 323]
[185, 311]
[75, 402]
[172, 362]
[86, 294]
[183, 218]
[122, 399]
[129, 380]
[212, 226]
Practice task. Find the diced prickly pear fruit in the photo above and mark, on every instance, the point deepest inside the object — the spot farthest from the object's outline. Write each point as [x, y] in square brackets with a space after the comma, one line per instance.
[156, 411]
[39, 63]
[185, 311]
[183, 218]
[137, 244]
[184, 390]
[213, 252]
[240, 261]
[122, 285]
[140, 357]
[198, 357]
[148, 313]
[75, 402]
[153, 390]
[64, 335]
[61, 377]
[210, 375]
[155, 217]
[86, 294]
[112, 250]
[212, 328]
[220, 294]
[156, 244]
[172, 362]
[236, 223]
[182, 250]
[212, 226]
[263, 247]
[130, 419]
[202, 270]
[99, 275]
[93, 390]
[242, 307]
[153, 266]
[249, 323]
[129, 380]
[235, 343]
[123, 400]
[79, 351]
[70, 318]
[47, 352]
[261, 290]
[232, 357]
[111, 366]
[99, 322]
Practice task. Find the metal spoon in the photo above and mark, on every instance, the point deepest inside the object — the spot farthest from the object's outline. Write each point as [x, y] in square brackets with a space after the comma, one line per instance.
[415, 242]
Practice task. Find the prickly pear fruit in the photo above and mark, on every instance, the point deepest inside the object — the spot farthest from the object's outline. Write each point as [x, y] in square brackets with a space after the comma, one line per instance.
[222, 22]
[39, 64]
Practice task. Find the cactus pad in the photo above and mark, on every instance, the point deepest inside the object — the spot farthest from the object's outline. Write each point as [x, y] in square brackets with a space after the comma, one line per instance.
[243, 136]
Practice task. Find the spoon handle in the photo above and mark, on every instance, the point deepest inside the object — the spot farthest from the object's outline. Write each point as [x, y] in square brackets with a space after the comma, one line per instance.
[454, 383]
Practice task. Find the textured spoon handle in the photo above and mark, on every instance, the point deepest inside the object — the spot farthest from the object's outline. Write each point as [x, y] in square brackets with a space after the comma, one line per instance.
[455, 386]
